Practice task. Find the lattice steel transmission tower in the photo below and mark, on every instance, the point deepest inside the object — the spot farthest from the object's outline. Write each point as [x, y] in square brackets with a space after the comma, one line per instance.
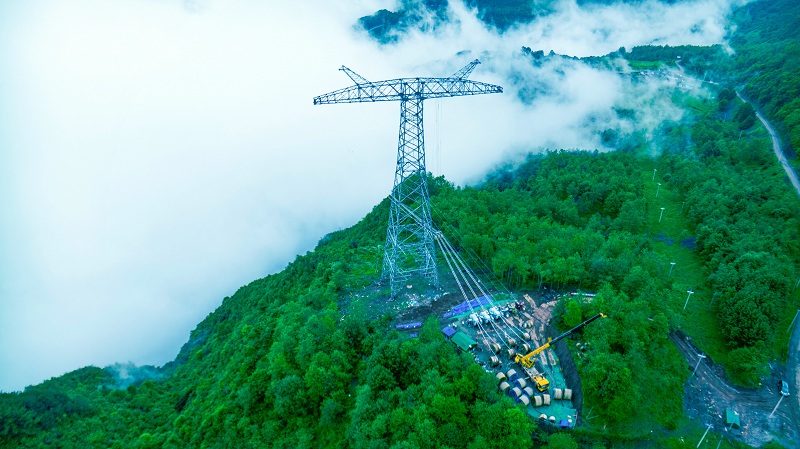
[410, 247]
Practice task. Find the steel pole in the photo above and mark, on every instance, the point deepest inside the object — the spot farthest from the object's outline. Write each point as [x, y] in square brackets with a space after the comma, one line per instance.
[793, 319]
[687, 299]
[700, 357]
[704, 436]
[776, 406]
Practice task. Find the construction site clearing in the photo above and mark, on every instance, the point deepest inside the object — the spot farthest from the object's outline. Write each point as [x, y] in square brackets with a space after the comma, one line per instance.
[489, 329]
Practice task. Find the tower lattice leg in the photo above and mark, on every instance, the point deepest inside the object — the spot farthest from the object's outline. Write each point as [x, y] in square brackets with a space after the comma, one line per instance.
[410, 250]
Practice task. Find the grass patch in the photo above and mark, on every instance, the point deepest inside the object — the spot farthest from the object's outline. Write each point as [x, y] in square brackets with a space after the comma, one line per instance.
[645, 65]
[780, 345]
[672, 237]
[697, 105]
[687, 434]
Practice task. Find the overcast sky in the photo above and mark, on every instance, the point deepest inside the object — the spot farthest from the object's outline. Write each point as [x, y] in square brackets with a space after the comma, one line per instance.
[157, 155]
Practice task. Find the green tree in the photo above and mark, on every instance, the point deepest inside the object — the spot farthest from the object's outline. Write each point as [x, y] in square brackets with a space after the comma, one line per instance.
[561, 441]
[572, 315]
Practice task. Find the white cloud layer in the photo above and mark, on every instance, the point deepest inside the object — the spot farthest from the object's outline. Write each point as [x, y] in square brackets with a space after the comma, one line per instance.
[156, 155]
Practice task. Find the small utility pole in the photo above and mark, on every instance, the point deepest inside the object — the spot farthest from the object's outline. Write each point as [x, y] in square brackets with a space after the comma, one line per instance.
[662, 214]
[687, 298]
[792, 323]
[657, 188]
[712, 299]
[654, 174]
[776, 406]
[704, 436]
[671, 266]
[700, 357]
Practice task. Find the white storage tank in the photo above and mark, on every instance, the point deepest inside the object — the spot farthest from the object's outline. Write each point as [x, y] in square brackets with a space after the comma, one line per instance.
[528, 391]
[568, 394]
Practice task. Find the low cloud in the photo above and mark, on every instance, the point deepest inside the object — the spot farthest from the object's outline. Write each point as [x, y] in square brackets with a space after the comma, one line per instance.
[157, 155]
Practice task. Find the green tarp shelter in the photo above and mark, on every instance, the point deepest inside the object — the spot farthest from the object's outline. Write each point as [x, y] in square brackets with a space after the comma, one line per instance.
[463, 341]
[732, 419]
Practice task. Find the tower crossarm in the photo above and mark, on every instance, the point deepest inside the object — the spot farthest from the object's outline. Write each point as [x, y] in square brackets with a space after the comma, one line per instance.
[407, 88]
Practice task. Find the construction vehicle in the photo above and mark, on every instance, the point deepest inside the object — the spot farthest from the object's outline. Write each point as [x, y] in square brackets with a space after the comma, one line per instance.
[527, 361]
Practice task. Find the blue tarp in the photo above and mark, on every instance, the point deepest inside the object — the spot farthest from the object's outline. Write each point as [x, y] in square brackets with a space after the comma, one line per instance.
[407, 326]
[448, 331]
[447, 314]
[475, 303]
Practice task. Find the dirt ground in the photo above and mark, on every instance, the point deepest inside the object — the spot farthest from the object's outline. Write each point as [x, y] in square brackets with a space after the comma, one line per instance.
[708, 394]
[793, 377]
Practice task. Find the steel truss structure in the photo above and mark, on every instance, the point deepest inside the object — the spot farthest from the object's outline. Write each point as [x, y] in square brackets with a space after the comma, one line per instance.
[410, 246]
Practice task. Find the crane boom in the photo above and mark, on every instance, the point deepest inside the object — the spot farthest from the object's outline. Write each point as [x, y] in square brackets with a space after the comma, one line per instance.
[528, 359]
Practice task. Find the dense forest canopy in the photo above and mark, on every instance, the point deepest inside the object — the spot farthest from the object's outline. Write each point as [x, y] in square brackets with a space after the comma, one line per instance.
[299, 359]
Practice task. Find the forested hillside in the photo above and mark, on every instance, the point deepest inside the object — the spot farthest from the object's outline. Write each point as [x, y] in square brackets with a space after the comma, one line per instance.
[278, 365]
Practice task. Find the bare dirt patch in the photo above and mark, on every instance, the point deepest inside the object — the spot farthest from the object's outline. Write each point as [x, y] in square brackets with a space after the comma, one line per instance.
[708, 394]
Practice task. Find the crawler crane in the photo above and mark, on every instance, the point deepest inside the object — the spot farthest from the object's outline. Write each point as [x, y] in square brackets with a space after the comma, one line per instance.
[527, 361]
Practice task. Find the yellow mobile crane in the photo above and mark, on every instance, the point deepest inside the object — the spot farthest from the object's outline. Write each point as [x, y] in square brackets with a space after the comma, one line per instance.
[542, 384]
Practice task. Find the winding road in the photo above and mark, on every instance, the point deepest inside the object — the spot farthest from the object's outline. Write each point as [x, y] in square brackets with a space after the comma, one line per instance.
[776, 147]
